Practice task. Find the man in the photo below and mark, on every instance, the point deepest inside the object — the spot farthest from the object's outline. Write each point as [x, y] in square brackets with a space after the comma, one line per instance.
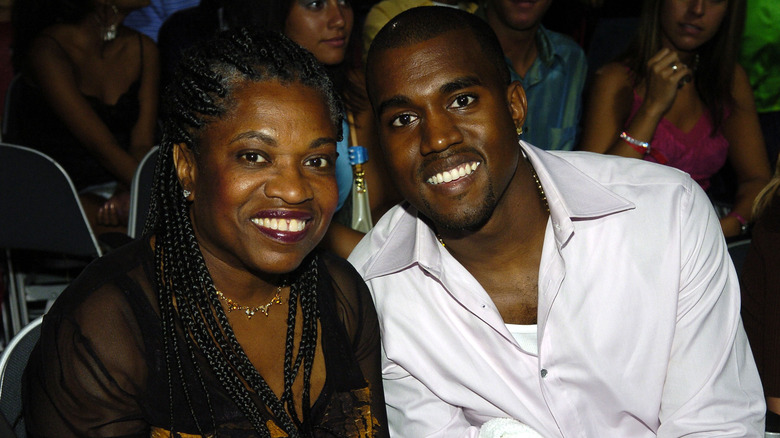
[579, 294]
[550, 66]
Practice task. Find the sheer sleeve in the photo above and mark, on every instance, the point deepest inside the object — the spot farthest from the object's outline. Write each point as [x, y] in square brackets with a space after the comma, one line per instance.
[87, 372]
[357, 313]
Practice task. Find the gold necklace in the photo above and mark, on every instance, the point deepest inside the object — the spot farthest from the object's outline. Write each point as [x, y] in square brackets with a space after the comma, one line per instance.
[539, 187]
[250, 311]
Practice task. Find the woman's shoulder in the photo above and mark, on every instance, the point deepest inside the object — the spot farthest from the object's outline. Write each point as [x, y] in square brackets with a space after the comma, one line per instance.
[111, 284]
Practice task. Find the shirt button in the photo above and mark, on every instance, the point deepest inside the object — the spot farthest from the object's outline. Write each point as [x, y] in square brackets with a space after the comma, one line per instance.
[543, 373]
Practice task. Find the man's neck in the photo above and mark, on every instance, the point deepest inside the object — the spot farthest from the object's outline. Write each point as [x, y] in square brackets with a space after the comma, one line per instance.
[518, 45]
[513, 235]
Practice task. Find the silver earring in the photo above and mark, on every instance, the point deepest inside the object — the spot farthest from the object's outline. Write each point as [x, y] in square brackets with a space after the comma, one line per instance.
[186, 193]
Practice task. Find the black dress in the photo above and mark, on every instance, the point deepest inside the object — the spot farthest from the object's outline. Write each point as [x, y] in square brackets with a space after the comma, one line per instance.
[40, 128]
[99, 368]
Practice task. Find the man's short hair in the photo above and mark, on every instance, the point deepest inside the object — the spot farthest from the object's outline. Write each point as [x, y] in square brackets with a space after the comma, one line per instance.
[423, 23]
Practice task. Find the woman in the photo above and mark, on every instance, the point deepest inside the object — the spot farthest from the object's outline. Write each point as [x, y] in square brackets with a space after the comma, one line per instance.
[89, 96]
[325, 28]
[679, 98]
[760, 281]
[224, 320]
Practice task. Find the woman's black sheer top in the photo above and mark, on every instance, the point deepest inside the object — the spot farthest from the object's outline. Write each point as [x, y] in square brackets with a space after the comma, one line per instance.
[99, 368]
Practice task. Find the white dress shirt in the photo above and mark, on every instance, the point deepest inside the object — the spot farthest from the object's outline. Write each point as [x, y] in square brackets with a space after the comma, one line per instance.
[639, 333]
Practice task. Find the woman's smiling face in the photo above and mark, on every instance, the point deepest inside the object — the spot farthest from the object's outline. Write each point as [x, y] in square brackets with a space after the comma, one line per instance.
[263, 181]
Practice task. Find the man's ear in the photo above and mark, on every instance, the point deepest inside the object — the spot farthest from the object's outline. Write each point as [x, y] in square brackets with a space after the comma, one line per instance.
[518, 105]
[186, 168]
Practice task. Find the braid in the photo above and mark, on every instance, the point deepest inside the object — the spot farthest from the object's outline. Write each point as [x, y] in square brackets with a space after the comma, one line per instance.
[200, 93]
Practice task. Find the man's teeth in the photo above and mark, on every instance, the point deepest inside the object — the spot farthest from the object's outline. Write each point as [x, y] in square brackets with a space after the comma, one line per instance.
[454, 174]
[280, 224]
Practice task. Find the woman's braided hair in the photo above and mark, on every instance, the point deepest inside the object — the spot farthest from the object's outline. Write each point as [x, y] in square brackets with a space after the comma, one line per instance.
[201, 92]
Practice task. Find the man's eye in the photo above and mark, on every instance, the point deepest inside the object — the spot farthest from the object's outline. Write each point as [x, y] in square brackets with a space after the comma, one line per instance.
[319, 162]
[463, 100]
[403, 120]
[253, 157]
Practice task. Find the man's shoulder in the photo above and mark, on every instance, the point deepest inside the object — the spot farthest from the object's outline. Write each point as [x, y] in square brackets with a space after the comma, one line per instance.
[563, 45]
[612, 170]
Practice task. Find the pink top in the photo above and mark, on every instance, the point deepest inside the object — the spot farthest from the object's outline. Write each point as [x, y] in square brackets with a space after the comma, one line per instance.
[695, 152]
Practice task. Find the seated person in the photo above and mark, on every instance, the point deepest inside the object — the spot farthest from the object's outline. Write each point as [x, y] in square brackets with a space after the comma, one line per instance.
[678, 97]
[224, 320]
[580, 294]
[88, 97]
[325, 29]
[550, 66]
[760, 282]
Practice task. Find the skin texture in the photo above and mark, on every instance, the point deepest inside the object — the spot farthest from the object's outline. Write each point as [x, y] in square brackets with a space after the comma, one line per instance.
[270, 155]
[273, 153]
[322, 27]
[441, 104]
[686, 25]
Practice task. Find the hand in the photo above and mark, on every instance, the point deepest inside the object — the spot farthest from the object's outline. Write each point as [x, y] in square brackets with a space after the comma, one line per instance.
[116, 210]
[665, 75]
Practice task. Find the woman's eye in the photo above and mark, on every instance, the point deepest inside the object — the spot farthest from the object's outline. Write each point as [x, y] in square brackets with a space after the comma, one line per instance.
[463, 100]
[403, 120]
[253, 157]
[316, 4]
[320, 162]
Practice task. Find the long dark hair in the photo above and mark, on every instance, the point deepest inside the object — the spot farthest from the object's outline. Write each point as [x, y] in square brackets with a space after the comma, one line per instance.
[30, 17]
[714, 74]
[199, 93]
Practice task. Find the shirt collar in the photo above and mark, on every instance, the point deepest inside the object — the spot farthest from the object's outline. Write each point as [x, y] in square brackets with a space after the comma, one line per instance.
[571, 195]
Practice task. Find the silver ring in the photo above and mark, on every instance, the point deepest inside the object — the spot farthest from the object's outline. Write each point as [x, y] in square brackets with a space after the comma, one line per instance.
[674, 67]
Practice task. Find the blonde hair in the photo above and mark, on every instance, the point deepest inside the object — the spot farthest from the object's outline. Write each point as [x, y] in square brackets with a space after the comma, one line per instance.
[764, 199]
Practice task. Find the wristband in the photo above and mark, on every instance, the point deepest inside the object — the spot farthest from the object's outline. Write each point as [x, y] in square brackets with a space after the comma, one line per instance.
[643, 146]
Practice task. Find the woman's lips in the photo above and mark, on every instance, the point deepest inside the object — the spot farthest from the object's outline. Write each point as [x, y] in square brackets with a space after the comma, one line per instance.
[288, 227]
[336, 42]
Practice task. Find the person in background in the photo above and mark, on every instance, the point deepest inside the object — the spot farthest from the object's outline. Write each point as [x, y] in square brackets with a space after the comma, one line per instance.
[678, 97]
[88, 97]
[325, 29]
[384, 10]
[550, 66]
[760, 282]
[223, 319]
[759, 55]
[148, 20]
[580, 294]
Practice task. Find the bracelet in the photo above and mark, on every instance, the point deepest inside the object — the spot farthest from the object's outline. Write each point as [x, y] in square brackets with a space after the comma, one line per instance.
[645, 146]
[743, 223]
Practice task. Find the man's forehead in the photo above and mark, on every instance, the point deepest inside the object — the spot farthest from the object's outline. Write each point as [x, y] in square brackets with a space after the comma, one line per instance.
[433, 61]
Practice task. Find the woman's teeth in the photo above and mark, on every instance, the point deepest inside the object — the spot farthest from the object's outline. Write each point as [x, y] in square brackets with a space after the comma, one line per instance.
[280, 224]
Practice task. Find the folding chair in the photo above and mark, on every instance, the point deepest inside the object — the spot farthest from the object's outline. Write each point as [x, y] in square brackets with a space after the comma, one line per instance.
[12, 364]
[44, 231]
[141, 193]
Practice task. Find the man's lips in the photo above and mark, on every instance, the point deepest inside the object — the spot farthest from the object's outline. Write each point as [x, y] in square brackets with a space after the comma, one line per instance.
[453, 174]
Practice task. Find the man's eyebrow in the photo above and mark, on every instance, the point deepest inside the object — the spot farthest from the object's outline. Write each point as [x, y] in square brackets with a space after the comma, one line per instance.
[391, 102]
[449, 87]
[459, 84]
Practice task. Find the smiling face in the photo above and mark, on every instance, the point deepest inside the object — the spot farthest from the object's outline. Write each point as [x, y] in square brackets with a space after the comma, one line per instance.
[447, 127]
[322, 27]
[687, 24]
[263, 182]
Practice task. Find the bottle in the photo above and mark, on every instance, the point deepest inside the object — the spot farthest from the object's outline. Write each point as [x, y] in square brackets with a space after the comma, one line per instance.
[361, 209]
